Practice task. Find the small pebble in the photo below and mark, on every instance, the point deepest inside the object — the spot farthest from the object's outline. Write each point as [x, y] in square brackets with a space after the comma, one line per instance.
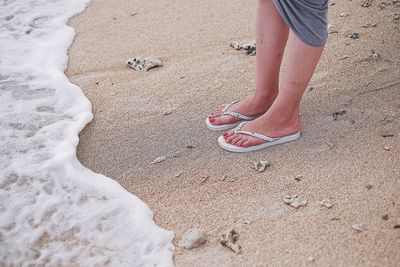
[369, 25]
[396, 226]
[386, 148]
[294, 201]
[298, 177]
[167, 112]
[246, 221]
[193, 238]
[344, 14]
[353, 35]
[178, 174]
[358, 227]
[385, 217]
[369, 186]
[366, 3]
[373, 55]
[159, 159]
[326, 203]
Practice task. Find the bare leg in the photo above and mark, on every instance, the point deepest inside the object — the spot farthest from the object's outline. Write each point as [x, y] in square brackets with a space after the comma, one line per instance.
[272, 34]
[283, 116]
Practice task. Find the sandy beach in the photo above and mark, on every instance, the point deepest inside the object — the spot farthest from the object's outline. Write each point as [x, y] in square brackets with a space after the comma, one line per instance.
[352, 160]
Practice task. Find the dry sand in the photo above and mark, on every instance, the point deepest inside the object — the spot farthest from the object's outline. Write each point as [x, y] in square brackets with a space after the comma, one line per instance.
[338, 160]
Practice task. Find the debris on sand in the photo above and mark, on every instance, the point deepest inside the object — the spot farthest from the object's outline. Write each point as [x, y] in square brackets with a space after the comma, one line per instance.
[353, 35]
[159, 159]
[248, 46]
[193, 238]
[385, 217]
[178, 174]
[167, 112]
[396, 226]
[369, 25]
[298, 177]
[294, 201]
[311, 259]
[387, 148]
[204, 179]
[336, 114]
[326, 203]
[358, 227]
[382, 5]
[229, 239]
[246, 221]
[261, 165]
[344, 14]
[386, 135]
[143, 63]
[396, 18]
[373, 55]
[369, 186]
[366, 3]
[389, 118]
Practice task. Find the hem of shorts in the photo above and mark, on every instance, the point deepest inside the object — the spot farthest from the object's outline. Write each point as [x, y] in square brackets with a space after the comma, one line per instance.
[296, 33]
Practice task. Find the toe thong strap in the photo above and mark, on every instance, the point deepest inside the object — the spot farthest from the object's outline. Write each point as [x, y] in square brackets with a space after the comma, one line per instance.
[235, 114]
[253, 134]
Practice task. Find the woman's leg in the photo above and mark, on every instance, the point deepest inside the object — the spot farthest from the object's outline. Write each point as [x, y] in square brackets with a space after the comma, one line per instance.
[272, 34]
[283, 118]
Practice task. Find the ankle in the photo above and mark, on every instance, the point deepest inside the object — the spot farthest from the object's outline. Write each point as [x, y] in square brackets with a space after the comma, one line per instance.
[263, 101]
[285, 118]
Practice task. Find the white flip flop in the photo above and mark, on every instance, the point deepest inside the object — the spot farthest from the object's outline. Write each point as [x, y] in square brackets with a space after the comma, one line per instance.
[224, 127]
[269, 141]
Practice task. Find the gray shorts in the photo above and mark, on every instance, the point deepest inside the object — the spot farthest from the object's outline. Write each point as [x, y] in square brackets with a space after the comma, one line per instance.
[308, 19]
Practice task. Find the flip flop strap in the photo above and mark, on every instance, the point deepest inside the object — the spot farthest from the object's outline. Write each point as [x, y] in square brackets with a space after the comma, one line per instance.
[235, 114]
[253, 134]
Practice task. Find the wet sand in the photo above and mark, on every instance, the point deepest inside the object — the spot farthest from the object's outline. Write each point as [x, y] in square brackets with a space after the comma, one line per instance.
[347, 160]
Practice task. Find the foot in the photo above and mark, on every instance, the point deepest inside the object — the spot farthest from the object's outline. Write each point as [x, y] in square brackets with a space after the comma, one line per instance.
[251, 106]
[268, 125]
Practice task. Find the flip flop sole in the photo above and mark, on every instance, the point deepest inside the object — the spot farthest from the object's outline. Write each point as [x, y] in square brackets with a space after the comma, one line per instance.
[236, 149]
[222, 127]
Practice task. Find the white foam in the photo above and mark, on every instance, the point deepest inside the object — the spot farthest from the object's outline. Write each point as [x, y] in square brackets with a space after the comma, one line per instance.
[53, 210]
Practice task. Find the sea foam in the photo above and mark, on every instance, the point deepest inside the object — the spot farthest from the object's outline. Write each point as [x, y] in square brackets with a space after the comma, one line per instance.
[54, 211]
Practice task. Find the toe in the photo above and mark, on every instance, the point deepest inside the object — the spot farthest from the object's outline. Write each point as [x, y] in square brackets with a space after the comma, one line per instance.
[245, 143]
[230, 138]
[228, 133]
[254, 141]
[211, 119]
[240, 142]
[236, 139]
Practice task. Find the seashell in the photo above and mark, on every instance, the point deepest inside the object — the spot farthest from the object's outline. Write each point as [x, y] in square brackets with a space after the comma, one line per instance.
[143, 63]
